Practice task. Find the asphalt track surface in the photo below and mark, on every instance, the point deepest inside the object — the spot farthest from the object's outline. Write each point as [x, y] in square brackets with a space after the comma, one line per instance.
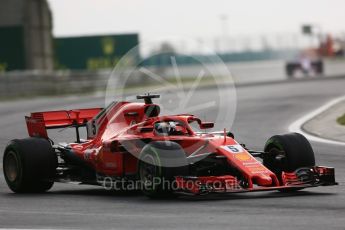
[262, 111]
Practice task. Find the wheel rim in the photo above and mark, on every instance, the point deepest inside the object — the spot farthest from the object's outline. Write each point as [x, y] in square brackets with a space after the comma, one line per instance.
[148, 170]
[277, 153]
[272, 162]
[11, 166]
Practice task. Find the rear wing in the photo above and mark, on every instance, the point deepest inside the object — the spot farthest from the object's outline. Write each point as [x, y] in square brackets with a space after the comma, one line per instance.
[39, 122]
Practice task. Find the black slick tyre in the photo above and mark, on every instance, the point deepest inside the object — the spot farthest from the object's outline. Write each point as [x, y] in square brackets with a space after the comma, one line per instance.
[29, 165]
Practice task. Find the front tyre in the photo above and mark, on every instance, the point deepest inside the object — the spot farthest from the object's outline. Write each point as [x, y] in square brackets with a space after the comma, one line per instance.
[159, 163]
[29, 165]
[288, 153]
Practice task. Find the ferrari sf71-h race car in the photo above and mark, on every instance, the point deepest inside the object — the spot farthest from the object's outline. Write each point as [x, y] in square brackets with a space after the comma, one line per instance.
[129, 142]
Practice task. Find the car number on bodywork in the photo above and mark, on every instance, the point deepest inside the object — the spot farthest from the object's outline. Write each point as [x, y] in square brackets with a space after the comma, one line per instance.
[234, 148]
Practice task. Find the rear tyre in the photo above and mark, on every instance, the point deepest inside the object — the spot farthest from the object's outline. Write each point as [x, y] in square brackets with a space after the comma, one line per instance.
[289, 69]
[288, 153]
[319, 67]
[159, 163]
[29, 165]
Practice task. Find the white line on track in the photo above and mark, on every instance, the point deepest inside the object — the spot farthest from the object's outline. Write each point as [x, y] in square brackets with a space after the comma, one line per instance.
[297, 125]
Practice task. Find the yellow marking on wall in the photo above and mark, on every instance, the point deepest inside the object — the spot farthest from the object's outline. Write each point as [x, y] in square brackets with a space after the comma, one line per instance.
[108, 45]
[3, 67]
[101, 63]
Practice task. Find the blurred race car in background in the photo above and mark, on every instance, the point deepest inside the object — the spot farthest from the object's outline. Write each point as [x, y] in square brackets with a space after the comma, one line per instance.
[306, 67]
[308, 63]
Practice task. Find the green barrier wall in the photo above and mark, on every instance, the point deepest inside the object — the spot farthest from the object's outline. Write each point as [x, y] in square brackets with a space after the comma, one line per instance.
[12, 55]
[94, 52]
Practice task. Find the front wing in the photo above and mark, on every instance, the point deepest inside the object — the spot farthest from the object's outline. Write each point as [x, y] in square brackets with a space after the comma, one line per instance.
[299, 179]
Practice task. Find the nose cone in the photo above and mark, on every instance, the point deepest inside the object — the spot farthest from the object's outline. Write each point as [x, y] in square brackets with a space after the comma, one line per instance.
[263, 180]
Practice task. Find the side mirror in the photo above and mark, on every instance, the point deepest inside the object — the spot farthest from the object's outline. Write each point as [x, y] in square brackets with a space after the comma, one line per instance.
[145, 129]
[206, 125]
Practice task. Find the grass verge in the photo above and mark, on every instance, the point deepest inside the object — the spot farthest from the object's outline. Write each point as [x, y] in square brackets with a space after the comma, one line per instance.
[341, 120]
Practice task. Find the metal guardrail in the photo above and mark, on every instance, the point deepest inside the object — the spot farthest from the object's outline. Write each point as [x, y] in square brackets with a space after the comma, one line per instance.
[38, 83]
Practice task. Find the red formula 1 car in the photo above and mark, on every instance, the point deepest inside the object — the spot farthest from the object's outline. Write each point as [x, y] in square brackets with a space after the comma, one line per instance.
[131, 143]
